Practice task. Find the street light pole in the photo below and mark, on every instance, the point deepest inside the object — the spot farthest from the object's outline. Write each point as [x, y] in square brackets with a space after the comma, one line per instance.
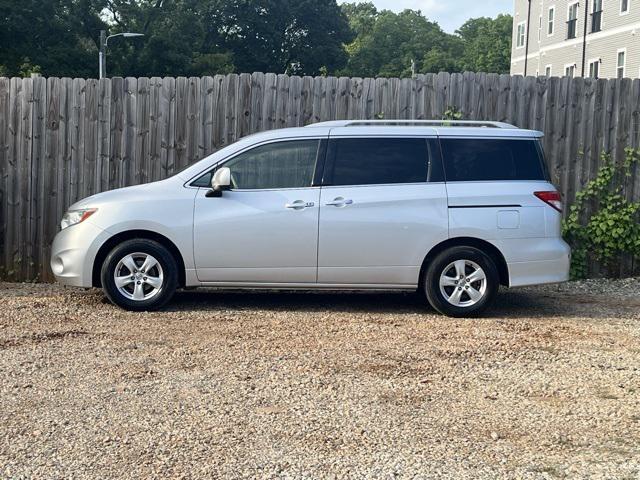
[102, 56]
[104, 42]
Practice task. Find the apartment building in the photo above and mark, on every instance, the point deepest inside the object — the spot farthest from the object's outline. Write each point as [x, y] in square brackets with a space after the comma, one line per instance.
[586, 38]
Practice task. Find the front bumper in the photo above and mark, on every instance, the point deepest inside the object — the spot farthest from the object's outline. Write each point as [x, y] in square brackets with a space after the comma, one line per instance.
[73, 252]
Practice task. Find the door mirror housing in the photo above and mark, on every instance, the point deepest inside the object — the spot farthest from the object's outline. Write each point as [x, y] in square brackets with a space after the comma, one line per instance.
[220, 181]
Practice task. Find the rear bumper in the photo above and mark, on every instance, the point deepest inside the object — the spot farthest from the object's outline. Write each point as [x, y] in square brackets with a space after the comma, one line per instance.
[73, 252]
[536, 261]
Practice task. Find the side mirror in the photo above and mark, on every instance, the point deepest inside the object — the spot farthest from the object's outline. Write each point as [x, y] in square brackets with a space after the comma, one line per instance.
[221, 181]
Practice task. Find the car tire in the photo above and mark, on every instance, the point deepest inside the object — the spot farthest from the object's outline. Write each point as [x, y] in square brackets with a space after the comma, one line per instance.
[139, 275]
[461, 282]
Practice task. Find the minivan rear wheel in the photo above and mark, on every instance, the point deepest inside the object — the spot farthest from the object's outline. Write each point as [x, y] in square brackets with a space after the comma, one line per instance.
[139, 275]
[461, 282]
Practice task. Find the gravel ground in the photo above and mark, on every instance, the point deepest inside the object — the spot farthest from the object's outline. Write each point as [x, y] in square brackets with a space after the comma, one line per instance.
[315, 385]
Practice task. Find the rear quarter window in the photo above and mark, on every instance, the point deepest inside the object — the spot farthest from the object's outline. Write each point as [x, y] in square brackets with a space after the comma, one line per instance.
[482, 159]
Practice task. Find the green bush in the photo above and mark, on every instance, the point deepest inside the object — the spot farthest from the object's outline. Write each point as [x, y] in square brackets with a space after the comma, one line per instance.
[602, 223]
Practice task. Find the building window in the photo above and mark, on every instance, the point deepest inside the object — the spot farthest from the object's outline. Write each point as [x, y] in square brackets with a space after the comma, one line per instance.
[596, 16]
[547, 70]
[572, 22]
[520, 36]
[570, 70]
[624, 7]
[540, 29]
[594, 68]
[551, 21]
[622, 63]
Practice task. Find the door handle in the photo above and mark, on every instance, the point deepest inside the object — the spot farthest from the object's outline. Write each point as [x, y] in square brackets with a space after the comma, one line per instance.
[340, 202]
[299, 205]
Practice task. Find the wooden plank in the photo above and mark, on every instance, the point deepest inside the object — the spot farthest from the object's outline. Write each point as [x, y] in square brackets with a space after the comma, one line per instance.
[131, 168]
[491, 97]
[141, 161]
[330, 92]
[181, 122]
[90, 154]
[539, 105]
[355, 107]
[155, 132]
[5, 89]
[103, 135]
[12, 260]
[406, 90]
[24, 180]
[342, 98]
[294, 102]
[574, 126]
[116, 154]
[635, 140]
[269, 102]
[218, 111]
[63, 157]
[513, 101]
[368, 98]
[230, 86]
[193, 151]
[206, 146]
[167, 125]
[282, 97]
[441, 101]
[243, 106]
[306, 95]
[48, 204]
[37, 181]
[257, 95]
[75, 173]
[552, 140]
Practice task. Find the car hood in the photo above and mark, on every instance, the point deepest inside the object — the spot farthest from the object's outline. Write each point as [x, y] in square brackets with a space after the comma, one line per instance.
[128, 194]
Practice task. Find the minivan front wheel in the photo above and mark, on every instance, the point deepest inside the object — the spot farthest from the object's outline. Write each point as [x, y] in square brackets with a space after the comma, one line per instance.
[139, 274]
[461, 282]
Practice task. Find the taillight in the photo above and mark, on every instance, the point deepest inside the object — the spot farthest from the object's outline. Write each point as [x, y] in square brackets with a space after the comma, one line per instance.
[552, 199]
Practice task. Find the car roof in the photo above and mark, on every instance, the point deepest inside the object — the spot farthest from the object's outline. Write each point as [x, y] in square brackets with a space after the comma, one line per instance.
[444, 128]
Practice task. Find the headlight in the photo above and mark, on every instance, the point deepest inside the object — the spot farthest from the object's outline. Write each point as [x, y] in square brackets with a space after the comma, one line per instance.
[72, 217]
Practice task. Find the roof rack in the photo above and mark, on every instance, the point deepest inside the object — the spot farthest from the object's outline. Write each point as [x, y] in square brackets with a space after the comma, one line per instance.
[412, 123]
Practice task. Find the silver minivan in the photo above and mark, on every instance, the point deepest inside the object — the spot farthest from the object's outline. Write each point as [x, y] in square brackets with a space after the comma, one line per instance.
[451, 209]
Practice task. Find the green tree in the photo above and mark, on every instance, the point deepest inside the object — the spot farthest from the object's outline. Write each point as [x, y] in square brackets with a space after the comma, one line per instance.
[388, 42]
[487, 44]
[47, 36]
[300, 36]
[174, 42]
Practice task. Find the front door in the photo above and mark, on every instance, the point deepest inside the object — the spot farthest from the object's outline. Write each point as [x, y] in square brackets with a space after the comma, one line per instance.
[265, 229]
[383, 208]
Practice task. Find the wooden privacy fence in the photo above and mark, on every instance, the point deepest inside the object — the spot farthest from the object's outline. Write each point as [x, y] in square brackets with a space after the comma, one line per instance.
[63, 139]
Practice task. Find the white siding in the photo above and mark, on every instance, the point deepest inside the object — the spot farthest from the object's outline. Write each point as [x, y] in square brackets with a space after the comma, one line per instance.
[617, 32]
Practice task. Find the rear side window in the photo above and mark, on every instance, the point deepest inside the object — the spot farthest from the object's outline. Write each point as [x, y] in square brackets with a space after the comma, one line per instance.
[379, 161]
[484, 159]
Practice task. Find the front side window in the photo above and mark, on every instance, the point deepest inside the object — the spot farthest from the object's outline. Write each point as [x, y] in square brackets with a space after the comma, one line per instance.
[289, 164]
[594, 69]
[520, 37]
[380, 161]
[551, 21]
[483, 160]
[547, 70]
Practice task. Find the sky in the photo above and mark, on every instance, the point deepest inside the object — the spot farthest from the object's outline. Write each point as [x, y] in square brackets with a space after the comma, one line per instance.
[450, 14]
